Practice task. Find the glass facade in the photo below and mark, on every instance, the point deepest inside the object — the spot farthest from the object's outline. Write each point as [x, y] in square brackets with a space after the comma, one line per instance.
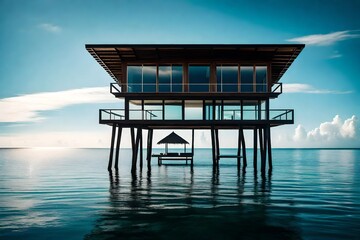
[149, 78]
[227, 78]
[246, 78]
[199, 78]
[261, 78]
[169, 78]
[177, 78]
[134, 78]
[164, 78]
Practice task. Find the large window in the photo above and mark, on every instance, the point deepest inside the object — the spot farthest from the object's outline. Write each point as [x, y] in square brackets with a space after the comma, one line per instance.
[134, 78]
[176, 78]
[141, 78]
[199, 78]
[149, 78]
[164, 78]
[260, 78]
[246, 75]
[227, 78]
[193, 110]
[173, 110]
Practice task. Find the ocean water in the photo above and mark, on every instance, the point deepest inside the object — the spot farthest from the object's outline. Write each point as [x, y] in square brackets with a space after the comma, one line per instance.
[69, 194]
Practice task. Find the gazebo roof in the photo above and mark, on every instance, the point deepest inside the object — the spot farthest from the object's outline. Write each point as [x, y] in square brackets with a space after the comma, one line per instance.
[173, 138]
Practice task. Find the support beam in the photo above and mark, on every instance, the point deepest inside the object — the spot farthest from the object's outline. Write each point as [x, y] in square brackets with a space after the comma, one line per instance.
[149, 148]
[269, 149]
[255, 150]
[136, 150]
[243, 148]
[265, 146]
[217, 146]
[118, 147]
[113, 133]
[141, 149]
[261, 147]
[132, 135]
[192, 146]
[239, 151]
[213, 146]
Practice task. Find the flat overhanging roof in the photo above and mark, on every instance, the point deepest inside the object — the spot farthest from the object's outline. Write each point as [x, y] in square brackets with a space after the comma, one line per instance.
[111, 56]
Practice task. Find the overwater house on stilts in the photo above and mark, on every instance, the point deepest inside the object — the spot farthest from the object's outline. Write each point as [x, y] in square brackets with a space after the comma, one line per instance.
[196, 86]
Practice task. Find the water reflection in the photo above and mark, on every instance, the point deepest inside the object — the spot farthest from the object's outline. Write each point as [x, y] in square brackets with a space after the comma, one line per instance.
[191, 206]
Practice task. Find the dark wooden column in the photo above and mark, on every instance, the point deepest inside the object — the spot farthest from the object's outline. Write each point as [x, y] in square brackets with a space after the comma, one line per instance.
[132, 136]
[113, 133]
[149, 148]
[243, 148]
[118, 147]
[269, 149]
[261, 141]
[213, 146]
[239, 150]
[141, 149]
[192, 146]
[136, 150]
[217, 146]
[255, 149]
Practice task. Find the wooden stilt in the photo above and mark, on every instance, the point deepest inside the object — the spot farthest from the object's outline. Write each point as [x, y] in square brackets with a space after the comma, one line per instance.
[217, 146]
[243, 148]
[265, 146]
[118, 147]
[261, 141]
[149, 148]
[141, 149]
[239, 151]
[255, 150]
[213, 146]
[132, 134]
[269, 149]
[192, 146]
[112, 146]
[137, 141]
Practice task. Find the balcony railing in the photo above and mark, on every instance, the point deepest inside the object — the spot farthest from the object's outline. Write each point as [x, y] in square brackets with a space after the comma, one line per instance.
[225, 115]
[197, 87]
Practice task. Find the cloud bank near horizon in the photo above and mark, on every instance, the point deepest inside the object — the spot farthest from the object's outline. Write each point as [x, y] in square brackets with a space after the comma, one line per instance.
[337, 133]
[28, 108]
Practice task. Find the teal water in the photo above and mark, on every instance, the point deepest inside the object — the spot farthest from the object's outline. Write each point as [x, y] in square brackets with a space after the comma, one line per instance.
[68, 194]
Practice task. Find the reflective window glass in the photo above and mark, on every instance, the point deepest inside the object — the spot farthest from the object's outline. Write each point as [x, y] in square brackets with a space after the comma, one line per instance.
[246, 75]
[199, 78]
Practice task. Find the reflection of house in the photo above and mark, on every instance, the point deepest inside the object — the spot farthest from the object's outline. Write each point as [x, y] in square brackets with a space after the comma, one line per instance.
[196, 87]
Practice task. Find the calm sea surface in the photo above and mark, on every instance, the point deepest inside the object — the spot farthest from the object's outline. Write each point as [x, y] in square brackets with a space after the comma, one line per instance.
[68, 194]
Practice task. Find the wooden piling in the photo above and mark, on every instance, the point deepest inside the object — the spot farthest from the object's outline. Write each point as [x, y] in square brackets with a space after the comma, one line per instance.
[118, 147]
[269, 149]
[149, 148]
[213, 146]
[239, 150]
[217, 146]
[141, 149]
[255, 150]
[112, 146]
[132, 136]
[243, 148]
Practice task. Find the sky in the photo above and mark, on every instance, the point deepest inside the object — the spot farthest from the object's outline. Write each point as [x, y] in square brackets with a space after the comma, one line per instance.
[51, 88]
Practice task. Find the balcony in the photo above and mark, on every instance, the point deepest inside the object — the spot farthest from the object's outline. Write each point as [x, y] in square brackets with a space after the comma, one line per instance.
[247, 117]
[276, 88]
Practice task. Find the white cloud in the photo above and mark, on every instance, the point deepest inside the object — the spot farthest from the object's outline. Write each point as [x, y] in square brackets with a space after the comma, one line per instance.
[337, 133]
[326, 39]
[27, 108]
[50, 27]
[306, 88]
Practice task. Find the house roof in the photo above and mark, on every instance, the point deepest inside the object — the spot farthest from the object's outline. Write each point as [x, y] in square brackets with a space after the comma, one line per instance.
[112, 56]
[173, 138]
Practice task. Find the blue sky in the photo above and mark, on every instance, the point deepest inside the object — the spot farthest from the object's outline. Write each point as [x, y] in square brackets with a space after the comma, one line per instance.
[51, 88]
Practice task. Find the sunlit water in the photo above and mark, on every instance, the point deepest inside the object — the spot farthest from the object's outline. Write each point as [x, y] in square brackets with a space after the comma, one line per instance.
[68, 194]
